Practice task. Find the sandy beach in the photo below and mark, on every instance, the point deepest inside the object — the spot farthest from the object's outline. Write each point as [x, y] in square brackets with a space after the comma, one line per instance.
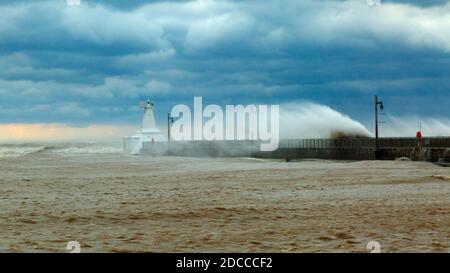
[111, 202]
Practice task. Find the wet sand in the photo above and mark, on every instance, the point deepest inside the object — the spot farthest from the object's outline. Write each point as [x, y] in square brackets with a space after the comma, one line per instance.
[119, 203]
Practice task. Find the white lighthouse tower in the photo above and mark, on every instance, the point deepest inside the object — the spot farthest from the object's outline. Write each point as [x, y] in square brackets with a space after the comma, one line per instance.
[149, 132]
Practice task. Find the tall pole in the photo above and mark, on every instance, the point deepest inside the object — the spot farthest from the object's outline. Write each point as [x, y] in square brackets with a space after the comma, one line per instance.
[377, 140]
[377, 143]
[168, 127]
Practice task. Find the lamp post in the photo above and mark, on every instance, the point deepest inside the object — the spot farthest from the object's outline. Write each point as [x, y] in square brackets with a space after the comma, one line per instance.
[377, 141]
[169, 121]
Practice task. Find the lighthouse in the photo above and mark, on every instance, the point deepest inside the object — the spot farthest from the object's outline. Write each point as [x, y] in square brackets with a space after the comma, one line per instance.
[149, 131]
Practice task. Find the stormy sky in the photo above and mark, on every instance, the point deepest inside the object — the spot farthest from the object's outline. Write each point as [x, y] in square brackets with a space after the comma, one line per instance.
[91, 64]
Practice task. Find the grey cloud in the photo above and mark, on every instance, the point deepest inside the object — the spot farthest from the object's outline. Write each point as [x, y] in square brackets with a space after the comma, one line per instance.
[103, 56]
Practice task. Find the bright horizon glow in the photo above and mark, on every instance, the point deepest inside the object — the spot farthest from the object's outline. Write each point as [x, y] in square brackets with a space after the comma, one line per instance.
[63, 132]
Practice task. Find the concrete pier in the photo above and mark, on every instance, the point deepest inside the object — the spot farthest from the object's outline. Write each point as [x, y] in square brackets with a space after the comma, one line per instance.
[434, 149]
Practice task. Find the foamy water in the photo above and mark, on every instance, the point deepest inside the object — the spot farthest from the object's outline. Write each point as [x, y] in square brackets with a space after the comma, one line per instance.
[88, 150]
[20, 150]
[115, 203]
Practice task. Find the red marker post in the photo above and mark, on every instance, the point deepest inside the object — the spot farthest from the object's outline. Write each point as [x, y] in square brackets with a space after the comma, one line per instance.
[419, 143]
[419, 135]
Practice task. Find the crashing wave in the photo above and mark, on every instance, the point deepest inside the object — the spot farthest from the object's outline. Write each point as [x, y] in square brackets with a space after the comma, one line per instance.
[20, 150]
[88, 150]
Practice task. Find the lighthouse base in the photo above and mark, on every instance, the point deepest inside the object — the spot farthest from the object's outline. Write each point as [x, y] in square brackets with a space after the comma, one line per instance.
[133, 144]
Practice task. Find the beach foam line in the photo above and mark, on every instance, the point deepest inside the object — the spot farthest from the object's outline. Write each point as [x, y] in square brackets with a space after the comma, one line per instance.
[87, 150]
[19, 151]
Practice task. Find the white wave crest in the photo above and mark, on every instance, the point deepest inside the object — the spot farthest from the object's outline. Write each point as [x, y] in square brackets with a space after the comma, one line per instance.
[310, 120]
[87, 150]
[18, 151]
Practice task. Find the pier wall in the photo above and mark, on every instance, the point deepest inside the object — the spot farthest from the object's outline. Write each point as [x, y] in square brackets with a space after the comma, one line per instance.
[429, 149]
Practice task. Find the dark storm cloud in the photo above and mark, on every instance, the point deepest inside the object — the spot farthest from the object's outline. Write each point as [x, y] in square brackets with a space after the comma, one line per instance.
[422, 3]
[98, 59]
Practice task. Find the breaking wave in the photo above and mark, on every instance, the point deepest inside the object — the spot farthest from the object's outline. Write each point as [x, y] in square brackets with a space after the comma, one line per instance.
[20, 150]
[310, 120]
[88, 150]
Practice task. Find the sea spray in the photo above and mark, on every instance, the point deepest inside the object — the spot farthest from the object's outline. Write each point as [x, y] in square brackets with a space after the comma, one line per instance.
[311, 120]
[398, 126]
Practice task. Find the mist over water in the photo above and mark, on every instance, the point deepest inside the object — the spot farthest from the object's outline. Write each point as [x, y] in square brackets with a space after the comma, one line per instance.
[312, 120]
[408, 126]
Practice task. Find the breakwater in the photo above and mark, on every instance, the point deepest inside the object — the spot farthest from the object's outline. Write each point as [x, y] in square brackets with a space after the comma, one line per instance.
[433, 149]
